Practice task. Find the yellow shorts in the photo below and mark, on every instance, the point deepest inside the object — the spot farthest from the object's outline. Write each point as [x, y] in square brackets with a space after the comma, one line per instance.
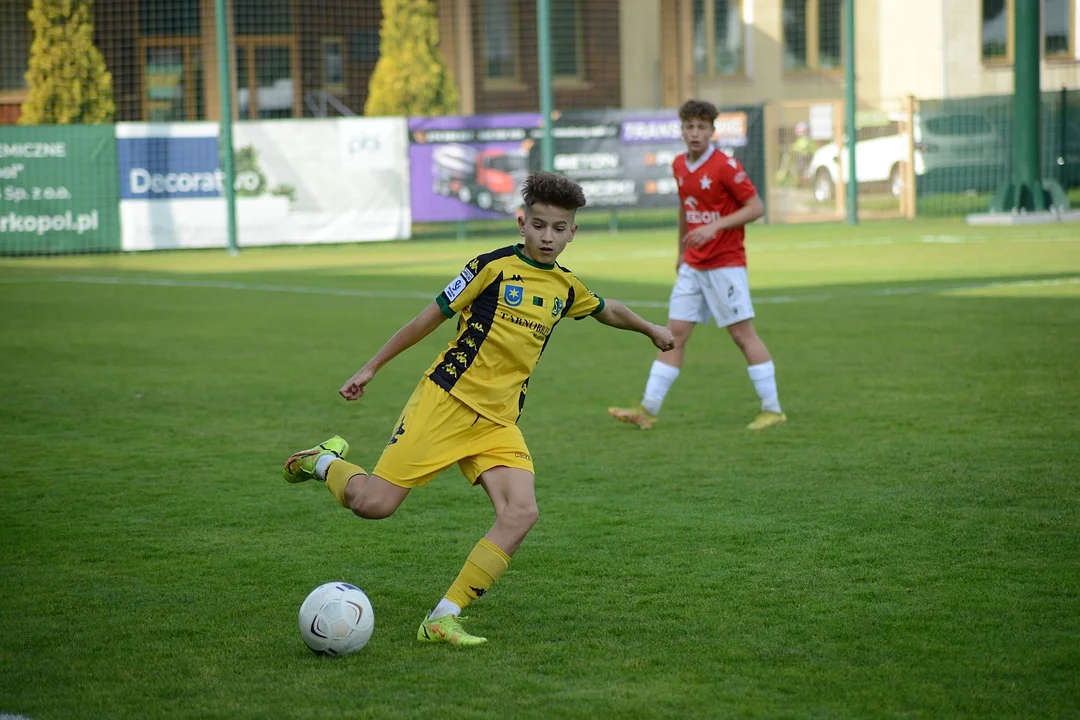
[437, 430]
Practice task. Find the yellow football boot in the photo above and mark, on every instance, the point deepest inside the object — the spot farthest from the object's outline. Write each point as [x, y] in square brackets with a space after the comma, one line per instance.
[634, 416]
[767, 419]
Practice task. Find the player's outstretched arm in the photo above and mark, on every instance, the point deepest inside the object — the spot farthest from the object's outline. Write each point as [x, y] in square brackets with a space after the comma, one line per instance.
[617, 315]
[418, 328]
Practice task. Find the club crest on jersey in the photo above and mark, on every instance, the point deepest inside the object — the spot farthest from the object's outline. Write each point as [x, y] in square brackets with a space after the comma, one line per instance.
[557, 307]
[513, 295]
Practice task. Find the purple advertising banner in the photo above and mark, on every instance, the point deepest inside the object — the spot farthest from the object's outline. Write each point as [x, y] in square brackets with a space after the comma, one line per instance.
[465, 168]
[469, 168]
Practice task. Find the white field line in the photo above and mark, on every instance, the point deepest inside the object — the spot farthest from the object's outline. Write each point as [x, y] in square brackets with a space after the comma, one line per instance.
[390, 294]
[753, 249]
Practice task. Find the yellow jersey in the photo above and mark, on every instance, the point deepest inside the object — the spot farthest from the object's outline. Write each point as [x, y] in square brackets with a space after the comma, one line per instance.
[509, 305]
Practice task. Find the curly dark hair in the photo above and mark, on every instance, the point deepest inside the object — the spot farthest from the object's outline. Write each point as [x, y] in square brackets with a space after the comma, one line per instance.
[698, 110]
[552, 189]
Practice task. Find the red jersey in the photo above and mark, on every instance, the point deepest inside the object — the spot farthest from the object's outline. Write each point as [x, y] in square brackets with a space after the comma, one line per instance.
[715, 186]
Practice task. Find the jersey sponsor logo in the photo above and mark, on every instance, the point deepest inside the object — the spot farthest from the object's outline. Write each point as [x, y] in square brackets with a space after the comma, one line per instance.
[557, 308]
[702, 217]
[455, 287]
[540, 330]
[516, 278]
[513, 295]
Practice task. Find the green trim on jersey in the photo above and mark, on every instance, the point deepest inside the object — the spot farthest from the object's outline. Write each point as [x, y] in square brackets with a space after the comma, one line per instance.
[529, 261]
[445, 306]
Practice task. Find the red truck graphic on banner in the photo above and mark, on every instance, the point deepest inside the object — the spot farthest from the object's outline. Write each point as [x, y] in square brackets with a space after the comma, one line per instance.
[488, 178]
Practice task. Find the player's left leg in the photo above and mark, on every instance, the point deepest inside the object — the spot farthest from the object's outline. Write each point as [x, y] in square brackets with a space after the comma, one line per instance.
[504, 469]
[762, 374]
[727, 292]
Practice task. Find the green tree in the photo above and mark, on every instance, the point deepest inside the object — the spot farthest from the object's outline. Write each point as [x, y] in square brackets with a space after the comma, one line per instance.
[67, 79]
[411, 77]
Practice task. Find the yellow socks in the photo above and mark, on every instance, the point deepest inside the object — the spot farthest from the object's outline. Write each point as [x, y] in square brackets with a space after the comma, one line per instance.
[337, 478]
[486, 563]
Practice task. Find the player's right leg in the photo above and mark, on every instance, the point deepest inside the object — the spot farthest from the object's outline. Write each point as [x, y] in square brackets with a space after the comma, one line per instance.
[662, 375]
[369, 496]
[686, 308]
[303, 465]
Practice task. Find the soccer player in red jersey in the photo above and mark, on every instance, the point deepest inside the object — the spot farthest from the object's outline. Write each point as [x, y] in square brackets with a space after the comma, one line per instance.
[717, 200]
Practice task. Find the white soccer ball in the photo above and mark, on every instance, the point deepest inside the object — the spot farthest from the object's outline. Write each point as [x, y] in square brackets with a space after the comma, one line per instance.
[336, 619]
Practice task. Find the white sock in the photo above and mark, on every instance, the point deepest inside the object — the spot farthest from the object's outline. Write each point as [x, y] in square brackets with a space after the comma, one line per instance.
[445, 607]
[322, 464]
[661, 377]
[764, 378]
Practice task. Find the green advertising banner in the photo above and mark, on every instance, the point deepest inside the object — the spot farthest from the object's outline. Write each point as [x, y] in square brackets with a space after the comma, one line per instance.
[59, 190]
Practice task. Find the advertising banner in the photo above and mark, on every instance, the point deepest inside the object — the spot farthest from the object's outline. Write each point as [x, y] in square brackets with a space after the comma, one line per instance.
[466, 168]
[469, 168]
[622, 158]
[58, 190]
[297, 182]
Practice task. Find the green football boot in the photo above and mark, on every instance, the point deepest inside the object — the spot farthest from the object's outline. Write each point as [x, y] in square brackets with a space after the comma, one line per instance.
[300, 466]
[447, 629]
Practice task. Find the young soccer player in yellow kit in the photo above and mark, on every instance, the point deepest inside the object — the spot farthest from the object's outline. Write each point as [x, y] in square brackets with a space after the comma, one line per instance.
[466, 407]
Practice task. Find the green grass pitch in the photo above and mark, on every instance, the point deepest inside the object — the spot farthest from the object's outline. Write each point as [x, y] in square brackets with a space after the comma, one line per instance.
[907, 546]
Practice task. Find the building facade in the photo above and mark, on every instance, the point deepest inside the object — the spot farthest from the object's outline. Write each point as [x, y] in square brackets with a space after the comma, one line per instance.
[767, 51]
[307, 58]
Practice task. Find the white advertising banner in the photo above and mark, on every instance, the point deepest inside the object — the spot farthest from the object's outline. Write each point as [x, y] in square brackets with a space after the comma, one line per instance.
[297, 182]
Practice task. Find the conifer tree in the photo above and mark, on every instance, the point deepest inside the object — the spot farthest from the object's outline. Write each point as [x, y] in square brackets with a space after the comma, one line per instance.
[67, 79]
[411, 77]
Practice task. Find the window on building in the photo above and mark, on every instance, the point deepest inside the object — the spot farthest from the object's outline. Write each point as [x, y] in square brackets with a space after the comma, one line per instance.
[1058, 19]
[830, 34]
[795, 55]
[262, 17]
[501, 32]
[999, 22]
[333, 64]
[265, 85]
[172, 79]
[813, 34]
[15, 38]
[995, 29]
[169, 18]
[718, 37]
[567, 39]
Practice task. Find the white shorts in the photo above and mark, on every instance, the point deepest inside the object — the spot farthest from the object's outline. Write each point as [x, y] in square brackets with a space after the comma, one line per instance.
[721, 293]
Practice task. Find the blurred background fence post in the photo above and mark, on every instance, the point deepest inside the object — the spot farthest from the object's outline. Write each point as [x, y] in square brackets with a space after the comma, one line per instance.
[852, 108]
[225, 134]
[908, 195]
[543, 54]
